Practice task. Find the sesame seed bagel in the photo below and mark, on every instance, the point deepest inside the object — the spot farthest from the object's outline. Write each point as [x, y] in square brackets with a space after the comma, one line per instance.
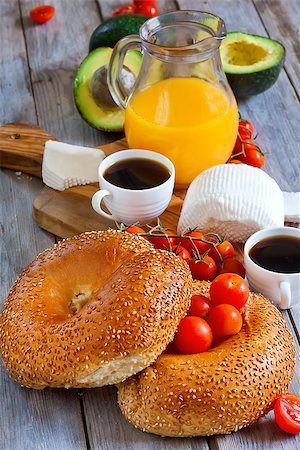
[218, 391]
[92, 310]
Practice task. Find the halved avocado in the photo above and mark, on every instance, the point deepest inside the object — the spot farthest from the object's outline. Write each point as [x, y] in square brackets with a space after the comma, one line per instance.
[251, 63]
[91, 93]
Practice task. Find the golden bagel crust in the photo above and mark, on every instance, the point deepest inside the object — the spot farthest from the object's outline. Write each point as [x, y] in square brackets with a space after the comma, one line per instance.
[218, 391]
[92, 310]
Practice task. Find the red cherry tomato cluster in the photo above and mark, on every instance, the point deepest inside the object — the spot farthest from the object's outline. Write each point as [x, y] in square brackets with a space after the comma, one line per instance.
[217, 316]
[146, 7]
[42, 14]
[213, 317]
[245, 150]
[207, 255]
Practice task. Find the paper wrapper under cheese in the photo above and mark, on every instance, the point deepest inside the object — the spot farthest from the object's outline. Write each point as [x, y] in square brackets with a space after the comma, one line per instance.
[66, 165]
[232, 200]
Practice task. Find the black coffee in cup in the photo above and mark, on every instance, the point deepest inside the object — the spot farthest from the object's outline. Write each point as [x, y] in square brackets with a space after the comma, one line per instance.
[136, 173]
[277, 253]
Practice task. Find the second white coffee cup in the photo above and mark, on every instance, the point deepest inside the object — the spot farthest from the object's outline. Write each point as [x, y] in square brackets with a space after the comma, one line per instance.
[283, 289]
[133, 205]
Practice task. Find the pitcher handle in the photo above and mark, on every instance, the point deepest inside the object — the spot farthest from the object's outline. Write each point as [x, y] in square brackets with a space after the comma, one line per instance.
[115, 67]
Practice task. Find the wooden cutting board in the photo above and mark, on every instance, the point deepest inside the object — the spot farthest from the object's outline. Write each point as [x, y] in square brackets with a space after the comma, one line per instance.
[69, 212]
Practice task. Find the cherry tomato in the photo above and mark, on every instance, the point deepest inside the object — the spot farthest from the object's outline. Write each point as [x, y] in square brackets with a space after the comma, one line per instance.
[222, 251]
[234, 161]
[287, 413]
[125, 9]
[254, 157]
[42, 14]
[212, 252]
[232, 265]
[181, 251]
[247, 152]
[194, 335]
[203, 269]
[146, 7]
[190, 244]
[133, 229]
[161, 240]
[200, 306]
[241, 146]
[196, 246]
[246, 124]
[224, 320]
[244, 133]
[229, 288]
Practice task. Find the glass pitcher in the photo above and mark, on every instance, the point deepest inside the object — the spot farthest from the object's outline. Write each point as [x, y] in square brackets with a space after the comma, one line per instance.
[181, 104]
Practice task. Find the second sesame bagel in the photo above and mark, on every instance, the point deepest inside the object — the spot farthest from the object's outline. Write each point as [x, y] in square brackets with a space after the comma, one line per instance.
[217, 391]
[92, 310]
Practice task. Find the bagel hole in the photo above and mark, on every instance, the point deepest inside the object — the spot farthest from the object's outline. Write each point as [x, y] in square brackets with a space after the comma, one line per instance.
[78, 301]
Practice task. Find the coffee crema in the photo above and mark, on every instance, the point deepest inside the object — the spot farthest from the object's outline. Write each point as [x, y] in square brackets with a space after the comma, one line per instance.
[277, 254]
[137, 173]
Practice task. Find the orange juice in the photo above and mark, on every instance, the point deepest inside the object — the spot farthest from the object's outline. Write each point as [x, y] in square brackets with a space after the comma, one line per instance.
[189, 120]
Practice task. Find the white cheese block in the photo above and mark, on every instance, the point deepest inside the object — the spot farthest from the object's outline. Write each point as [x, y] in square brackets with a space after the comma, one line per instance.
[66, 165]
[234, 200]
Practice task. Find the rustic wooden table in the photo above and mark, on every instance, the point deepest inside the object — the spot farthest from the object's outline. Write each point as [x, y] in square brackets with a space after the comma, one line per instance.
[37, 67]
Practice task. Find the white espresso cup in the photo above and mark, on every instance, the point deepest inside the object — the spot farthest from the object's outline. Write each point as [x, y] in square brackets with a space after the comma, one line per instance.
[130, 206]
[283, 289]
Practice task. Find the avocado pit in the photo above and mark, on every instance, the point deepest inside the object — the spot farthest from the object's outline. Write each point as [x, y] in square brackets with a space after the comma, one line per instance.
[99, 87]
[91, 92]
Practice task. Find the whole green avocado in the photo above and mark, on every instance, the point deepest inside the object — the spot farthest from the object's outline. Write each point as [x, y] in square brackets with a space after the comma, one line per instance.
[109, 32]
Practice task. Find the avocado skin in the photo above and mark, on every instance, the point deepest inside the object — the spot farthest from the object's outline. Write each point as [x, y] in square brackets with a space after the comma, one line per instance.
[244, 85]
[109, 32]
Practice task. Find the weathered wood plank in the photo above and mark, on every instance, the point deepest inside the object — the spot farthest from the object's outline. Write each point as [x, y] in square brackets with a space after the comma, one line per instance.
[107, 7]
[42, 420]
[55, 51]
[282, 21]
[30, 419]
[274, 113]
[16, 102]
[294, 314]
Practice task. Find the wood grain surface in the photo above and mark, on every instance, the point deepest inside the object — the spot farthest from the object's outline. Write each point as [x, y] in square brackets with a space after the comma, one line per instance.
[22, 147]
[283, 24]
[69, 212]
[37, 65]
